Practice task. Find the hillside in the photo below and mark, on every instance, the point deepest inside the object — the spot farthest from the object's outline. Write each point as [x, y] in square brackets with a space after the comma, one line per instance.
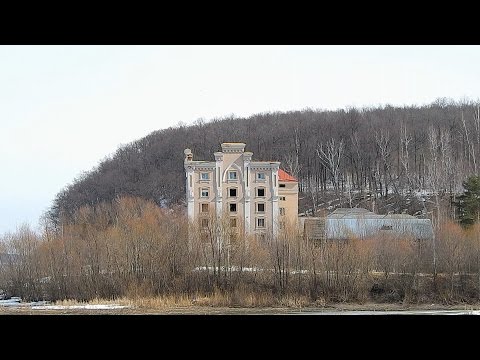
[381, 153]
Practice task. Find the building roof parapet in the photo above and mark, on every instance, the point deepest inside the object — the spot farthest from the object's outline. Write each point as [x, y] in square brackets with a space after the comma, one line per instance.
[233, 147]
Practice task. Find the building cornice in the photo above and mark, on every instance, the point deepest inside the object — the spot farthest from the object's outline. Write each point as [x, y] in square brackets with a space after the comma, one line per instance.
[229, 148]
[199, 165]
[264, 165]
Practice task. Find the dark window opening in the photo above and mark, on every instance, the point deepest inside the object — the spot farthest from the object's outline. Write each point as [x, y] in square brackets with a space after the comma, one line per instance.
[261, 223]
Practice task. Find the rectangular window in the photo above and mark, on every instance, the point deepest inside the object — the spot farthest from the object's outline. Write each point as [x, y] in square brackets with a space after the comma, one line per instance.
[260, 191]
[233, 222]
[260, 222]
[282, 185]
[274, 180]
[204, 193]
[232, 175]
[261, 176]
[282, 225]
[205, 176]
[232, 192]
[260, 207]
[233, 207]
[204, 208]
[204, 223]
[282, 198]
[282, 211]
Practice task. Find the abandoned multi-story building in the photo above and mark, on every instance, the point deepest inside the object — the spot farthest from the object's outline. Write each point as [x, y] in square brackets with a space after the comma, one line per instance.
[256, 196]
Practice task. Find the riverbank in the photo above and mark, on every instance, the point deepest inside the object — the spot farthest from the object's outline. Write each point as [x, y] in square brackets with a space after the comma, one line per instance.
[159, 307]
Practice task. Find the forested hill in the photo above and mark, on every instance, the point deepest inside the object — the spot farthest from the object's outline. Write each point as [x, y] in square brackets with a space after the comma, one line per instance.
[383, 150]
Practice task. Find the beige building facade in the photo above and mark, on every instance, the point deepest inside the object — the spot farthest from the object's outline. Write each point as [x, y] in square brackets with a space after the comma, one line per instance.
[255, 196]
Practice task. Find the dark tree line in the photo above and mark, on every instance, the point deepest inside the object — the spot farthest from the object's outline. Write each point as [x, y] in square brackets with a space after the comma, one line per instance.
[379, 152]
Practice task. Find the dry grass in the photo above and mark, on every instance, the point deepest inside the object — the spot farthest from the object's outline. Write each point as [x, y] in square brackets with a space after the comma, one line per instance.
[217, 299]
[96, 301]
[159, 302]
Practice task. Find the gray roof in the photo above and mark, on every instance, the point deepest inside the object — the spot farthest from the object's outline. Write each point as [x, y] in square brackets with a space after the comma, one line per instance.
[364, 214]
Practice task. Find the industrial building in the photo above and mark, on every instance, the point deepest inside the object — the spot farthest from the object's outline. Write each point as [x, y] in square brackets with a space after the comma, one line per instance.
[345, 223]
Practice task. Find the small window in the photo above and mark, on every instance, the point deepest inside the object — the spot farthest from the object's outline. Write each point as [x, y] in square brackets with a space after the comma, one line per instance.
[205, 176]
[204, 208]
[204, 193]
[282, 198]
[260, 191]
[282, 211]
[204, 223]
[232, 192]
[233, 222]
[261, 176]
[282, 225]
[260, 223]
[233, 207]
[232, 175]
[282, 185]
[386, 227]
[261, 207]
[261, 237]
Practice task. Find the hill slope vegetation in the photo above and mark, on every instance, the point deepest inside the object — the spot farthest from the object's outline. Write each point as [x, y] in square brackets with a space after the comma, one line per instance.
[345, 154]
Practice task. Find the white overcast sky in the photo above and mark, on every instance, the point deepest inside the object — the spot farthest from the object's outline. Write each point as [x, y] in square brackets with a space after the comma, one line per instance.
[64, 108]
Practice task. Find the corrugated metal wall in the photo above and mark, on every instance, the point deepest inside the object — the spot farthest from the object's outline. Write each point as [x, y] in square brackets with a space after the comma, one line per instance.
[341, 228]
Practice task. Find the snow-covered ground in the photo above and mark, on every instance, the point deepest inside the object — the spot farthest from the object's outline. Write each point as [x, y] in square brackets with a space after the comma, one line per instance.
[245, 269]
[45, 305]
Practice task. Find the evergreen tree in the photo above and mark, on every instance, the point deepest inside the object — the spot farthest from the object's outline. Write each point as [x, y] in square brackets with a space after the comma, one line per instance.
[469, 202]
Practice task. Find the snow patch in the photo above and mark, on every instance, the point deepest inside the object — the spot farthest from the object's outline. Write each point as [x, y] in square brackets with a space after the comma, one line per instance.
[45, 305]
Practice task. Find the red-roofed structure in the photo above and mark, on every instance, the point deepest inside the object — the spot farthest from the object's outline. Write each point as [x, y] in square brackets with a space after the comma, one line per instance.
[284, 176]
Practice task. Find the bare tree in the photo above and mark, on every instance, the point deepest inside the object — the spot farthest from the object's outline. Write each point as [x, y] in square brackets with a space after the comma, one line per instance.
[405, 140]
[383, 141]
[476, 123]
[292, 160]
[331, 155]
[470, 146]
